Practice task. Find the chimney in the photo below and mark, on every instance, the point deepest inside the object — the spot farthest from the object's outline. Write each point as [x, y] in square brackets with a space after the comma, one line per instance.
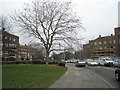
[3, 29]
[111, 34]
[99, 36]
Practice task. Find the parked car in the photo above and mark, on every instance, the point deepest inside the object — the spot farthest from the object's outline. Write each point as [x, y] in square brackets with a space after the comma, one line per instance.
[91, 62]
[106, 61]
[69, 61]
[81, 63]
[116, 63]
[117, 74]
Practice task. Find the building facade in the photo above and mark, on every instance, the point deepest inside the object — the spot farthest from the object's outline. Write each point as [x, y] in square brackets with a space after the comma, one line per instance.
[108, 46]
[10, 50]
[27, 53]
[9, 44]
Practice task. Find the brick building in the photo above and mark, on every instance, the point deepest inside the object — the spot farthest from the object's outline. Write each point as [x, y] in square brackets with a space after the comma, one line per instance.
[108, 46]
[9, 45]
[27, 53]
[11, 50]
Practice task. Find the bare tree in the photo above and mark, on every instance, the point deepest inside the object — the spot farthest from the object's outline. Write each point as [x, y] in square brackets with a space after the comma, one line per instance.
[5, 23]
[49, 22]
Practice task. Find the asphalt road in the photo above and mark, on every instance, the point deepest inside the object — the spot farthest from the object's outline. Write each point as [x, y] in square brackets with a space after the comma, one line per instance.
[105, 73]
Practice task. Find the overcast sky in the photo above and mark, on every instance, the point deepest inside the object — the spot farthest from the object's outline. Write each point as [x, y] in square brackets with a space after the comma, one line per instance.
[99, 17]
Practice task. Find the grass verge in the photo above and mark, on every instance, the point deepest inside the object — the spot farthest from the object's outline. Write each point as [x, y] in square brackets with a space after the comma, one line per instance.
[30, 76]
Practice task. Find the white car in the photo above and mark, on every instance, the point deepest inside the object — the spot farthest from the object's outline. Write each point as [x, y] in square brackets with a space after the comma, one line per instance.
[105, 61]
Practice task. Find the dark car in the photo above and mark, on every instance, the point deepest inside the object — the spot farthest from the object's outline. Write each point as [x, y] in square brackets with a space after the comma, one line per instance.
[117, 74]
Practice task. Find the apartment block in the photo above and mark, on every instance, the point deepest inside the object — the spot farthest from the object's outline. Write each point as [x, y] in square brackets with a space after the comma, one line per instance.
[9, 45]
[108, 46]
[11, 50]
[27, 53]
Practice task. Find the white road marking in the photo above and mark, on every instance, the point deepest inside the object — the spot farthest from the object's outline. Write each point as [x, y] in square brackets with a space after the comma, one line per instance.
[109, 68]
[104, 68]
[78, 68]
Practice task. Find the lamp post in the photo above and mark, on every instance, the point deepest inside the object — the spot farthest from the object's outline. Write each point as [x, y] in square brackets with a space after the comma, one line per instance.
[64, 53]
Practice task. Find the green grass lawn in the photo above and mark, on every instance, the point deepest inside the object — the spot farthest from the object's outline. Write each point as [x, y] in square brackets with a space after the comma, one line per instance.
[30, 76]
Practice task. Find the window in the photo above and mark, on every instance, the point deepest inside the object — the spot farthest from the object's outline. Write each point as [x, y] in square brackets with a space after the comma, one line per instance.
[91, 43]
[101, 48]
[6, 45]
[1, 35]
[0, 52]
[10, 38]
[105, 47]
[100, 43]
[95, 43]
[114, 47]
[111, 46]
[10, 45]
[13, 39]
[110, 41]
[114, 41]
[5, 37]
[105, 42]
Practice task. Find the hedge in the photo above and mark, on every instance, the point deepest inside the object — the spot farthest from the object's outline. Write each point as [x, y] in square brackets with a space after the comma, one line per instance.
[60, 63]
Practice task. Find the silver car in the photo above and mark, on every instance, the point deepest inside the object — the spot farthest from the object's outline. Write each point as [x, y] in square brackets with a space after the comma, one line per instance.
[81, 63]
[116, 63]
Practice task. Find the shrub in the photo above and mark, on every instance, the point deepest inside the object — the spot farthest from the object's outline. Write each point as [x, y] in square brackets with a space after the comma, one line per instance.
[16, 62]
[38, 62]
[52, 62]
[61, 63]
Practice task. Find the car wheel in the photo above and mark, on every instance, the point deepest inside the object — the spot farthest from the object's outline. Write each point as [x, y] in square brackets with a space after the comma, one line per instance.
[117, 77]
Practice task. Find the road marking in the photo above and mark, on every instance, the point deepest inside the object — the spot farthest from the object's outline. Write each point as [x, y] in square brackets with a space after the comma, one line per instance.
[109, 68]
[103, 67]
[111, 86]
[78, 68]
[94, 67]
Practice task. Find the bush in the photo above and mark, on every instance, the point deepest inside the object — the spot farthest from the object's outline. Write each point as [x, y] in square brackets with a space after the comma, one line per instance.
[24, 62]
[38, 62]
[52, 62]
[8, 62]
[34, 62]
[61, 63]
[16, 62]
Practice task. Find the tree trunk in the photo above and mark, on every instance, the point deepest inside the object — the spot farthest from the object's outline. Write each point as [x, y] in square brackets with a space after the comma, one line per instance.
[46, 59]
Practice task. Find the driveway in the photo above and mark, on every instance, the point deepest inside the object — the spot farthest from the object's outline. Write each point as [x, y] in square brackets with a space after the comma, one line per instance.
[79, 78]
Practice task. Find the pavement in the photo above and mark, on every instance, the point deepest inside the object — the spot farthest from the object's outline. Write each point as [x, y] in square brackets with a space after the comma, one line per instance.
[79, 78]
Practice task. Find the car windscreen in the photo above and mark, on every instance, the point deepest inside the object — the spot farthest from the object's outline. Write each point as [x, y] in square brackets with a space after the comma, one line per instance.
[82, 60]
[107, 59]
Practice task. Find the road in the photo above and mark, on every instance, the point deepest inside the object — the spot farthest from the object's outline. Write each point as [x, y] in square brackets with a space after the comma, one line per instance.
[105, 73]
[87, 77]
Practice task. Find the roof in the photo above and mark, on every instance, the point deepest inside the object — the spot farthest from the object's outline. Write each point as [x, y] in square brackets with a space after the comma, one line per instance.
[104, 37]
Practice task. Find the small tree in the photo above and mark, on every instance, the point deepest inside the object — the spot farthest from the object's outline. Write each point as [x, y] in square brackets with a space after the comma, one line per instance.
[49, 22]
